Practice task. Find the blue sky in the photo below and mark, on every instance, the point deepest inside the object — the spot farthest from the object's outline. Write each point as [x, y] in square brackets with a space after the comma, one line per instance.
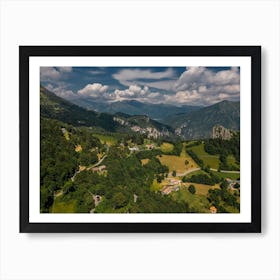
[170, 85]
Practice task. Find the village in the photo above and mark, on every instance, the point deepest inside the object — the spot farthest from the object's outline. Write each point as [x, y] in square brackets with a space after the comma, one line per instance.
[178, 180]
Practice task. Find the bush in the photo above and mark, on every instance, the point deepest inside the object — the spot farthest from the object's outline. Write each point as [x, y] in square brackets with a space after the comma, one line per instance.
[192, 189]
[194, 156]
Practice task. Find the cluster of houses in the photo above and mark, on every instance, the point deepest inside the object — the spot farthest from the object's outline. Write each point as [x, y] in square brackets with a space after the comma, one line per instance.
[100, 168]
[136, 148]
[173, 185]
[232, 183]
[150, 146]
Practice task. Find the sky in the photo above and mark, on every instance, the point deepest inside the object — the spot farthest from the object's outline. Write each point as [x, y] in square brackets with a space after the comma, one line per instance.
[178, 86]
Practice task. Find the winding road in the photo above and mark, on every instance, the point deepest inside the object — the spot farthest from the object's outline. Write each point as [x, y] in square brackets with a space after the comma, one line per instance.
[186, 172]
[198, 168]
[226, 171]
[88, 168]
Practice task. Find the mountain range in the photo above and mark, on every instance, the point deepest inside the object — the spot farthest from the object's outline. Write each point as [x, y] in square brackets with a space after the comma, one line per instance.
[198, 124]
[153, 120]
[133, 107]
[55, 107]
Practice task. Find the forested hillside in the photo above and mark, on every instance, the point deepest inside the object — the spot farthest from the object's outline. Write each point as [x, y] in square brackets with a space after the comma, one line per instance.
[68, 178]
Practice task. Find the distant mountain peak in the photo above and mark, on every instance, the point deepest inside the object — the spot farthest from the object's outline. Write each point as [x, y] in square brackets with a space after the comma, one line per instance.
[134, 107]
[199, 124]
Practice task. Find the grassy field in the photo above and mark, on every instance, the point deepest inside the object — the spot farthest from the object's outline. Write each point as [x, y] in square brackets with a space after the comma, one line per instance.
[198, 172]
[66, 135]
[232, 176]
[145, 161]
[177, 163]
[63, 207]
[202, 189]
[198, 203]
[230, 209]
[110, 140]
[156, 186]
[231, 161]
[211, 160]
[190, 143]
[184, 153]
[166, 147]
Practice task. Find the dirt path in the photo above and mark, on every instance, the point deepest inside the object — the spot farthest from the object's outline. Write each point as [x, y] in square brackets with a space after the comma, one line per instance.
[198, 168]
[185, 173]
[88, 168]
[96, 164]
[225, 171]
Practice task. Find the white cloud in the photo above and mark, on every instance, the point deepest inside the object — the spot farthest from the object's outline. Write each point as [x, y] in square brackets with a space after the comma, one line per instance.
[65, 69]
[201, 85]
[96, 72]
[49, 73]
[194, 77]
[53, 74]
[183, 97]
[94, 90]
[195, 86]
[133, 92]
[129, 77]
[61, 91]
[167, 85]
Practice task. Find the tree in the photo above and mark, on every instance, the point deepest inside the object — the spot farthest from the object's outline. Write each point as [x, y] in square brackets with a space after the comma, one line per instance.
[119, 200]
[236, 186]
[46, 199]
[68, 187]
[186, 162]
[207, 168]
[224, 185]
[192, 189]
[184, 179]
[160, 178]
[174, 173]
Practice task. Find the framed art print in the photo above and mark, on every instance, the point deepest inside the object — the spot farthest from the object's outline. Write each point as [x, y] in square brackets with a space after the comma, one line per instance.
[140, 138]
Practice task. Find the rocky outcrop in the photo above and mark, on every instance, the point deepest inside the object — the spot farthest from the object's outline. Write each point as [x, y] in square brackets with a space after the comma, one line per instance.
[221, 132]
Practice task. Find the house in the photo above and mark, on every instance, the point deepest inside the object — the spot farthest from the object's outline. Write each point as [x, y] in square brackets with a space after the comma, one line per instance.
[150, 146]
[98, 168]
[169, 188]
[82, 168]
[133, 149]
[166, 190]
[135, 197]
[78, 148]
[174, 182]
[231, 183]
[213, 209]
[102, 167]
[97, 199]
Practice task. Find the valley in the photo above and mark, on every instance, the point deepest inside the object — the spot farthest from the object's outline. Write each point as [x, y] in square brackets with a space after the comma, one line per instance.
[114, 161]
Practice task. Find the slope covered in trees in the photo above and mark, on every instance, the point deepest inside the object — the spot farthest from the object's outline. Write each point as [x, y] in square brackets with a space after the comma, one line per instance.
[125, 176]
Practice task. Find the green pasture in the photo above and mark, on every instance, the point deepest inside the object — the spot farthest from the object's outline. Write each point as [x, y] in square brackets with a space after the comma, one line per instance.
[211, 160]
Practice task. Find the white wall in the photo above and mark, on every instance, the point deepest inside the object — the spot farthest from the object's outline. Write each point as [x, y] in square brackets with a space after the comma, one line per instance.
[138, 256]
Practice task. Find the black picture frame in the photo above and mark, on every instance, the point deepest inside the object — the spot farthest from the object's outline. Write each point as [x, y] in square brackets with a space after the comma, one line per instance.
[254, 52]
